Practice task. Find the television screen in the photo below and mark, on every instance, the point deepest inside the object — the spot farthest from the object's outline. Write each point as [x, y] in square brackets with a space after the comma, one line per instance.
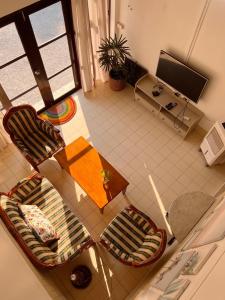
[180, 77]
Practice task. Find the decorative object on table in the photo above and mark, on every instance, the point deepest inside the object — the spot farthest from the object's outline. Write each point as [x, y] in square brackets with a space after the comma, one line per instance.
[37, 139]
[112, 56]
[175, 289]
[139, 244]
[61, 112]
[157, 90]
[106, 178]
[37, 190]
[81, 277]
[172, 270]
[197, 261]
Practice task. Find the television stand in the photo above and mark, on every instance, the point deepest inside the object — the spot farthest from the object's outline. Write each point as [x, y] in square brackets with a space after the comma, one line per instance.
[183, 117]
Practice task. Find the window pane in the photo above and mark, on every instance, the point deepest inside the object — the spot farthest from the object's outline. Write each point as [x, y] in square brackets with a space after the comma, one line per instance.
[17, 77]
[33, 98]
[48, 23]
[56, 56]
[10, 44]
[62, 83]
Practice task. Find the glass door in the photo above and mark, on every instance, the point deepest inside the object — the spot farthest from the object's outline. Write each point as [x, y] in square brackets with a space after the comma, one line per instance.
[16, 76]
[47, 68]
[55, 43]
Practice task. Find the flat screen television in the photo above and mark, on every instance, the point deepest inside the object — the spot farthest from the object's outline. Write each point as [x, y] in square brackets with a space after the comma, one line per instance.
[183, 79]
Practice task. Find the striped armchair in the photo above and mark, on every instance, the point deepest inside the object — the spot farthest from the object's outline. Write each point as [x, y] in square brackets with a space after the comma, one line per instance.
[37, 190]
[37, 139]
[133, 238]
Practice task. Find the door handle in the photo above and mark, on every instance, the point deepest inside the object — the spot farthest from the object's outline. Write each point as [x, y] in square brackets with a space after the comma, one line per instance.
[37, 72]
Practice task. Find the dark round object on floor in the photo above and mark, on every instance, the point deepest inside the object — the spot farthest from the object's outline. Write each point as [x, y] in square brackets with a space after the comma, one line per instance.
[81, 277]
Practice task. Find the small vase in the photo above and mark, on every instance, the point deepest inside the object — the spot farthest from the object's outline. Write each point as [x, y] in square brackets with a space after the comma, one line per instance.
[117, 84]
[106, 184]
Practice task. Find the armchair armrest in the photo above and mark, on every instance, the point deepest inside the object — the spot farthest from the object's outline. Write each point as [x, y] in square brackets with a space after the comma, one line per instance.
[3, 194]
[21, 146]
[51, 130]
[46, 125]
[25, 186]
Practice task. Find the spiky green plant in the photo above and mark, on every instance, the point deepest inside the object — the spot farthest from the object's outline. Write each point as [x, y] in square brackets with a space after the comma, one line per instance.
[112, 53]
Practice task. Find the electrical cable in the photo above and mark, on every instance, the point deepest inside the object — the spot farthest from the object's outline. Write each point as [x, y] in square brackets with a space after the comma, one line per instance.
[180, 115]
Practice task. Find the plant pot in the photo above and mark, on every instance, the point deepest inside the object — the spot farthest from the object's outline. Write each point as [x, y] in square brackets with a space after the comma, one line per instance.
[116, 83]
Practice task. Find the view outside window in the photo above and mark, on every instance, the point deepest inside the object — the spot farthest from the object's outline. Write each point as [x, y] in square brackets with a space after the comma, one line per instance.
[16, 75]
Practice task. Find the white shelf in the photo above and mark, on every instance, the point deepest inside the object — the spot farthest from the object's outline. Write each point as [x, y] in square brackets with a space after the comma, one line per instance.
[157, 105]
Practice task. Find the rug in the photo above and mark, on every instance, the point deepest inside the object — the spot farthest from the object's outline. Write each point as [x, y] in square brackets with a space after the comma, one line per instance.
[61, 112]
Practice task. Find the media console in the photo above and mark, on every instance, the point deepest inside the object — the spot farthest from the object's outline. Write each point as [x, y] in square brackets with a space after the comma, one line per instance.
[184, 117]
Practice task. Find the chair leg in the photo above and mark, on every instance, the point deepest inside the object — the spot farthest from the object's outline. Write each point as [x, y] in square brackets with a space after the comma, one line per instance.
[36, 168]
[32, 164]
[171, 241]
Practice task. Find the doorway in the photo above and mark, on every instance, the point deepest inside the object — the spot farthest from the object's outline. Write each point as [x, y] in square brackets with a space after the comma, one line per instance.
[38, 61]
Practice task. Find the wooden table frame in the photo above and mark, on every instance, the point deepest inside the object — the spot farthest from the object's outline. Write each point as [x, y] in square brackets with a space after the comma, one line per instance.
[83, 162]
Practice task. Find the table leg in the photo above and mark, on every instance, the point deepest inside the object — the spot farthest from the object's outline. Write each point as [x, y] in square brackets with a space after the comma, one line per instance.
[124, 191]
[60, 166]
[101, 210]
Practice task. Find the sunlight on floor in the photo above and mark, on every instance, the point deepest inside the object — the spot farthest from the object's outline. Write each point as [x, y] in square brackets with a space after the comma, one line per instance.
[105, 277]
[157, 163]
[160, 203]
[93, 258]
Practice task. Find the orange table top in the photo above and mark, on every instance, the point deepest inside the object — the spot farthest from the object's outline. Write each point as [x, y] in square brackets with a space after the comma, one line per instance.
[84, 164]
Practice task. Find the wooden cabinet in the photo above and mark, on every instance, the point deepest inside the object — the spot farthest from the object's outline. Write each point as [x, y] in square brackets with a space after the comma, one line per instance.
[184, 117]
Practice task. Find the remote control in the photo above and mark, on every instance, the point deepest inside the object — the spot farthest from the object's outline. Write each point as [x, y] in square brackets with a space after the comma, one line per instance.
[171, 105]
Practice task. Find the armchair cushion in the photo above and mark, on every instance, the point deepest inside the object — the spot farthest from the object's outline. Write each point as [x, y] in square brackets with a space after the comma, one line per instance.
[19, 228]
[35, 138]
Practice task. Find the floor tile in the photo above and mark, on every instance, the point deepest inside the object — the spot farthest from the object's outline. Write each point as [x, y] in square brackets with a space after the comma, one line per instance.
[158, 164]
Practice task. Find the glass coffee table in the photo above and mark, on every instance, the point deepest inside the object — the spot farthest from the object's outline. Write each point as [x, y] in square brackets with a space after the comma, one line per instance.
[83, 162]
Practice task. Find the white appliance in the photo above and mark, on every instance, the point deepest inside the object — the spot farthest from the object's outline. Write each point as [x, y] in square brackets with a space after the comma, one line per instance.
[213, 145]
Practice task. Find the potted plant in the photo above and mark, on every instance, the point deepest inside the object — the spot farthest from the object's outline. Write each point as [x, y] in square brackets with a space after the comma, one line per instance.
[112, 55]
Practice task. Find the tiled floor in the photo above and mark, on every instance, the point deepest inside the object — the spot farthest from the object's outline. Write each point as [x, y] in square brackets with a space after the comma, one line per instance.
[149, 154]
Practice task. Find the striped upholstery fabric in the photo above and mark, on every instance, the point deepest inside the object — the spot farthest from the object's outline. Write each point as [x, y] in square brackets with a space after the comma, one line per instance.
[47, 127]
[133, 238]
[36, 138]
[43, 253]
[40, 192]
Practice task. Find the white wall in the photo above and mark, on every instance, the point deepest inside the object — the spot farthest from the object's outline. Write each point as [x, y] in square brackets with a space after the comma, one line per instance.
[17, 280]
[152, 25]
[209, 55]
[9, 6]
